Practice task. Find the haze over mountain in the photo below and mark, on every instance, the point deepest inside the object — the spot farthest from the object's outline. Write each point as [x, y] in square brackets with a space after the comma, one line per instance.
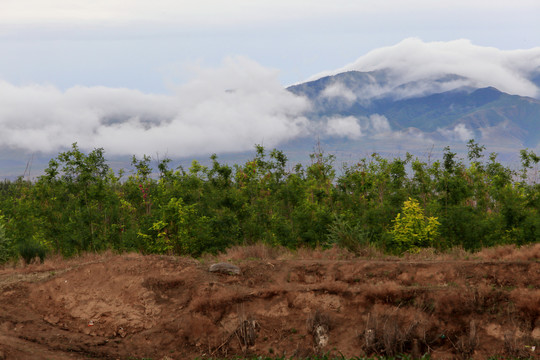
[404, 97]
[419, 63]
[416, 93]
[352, 105]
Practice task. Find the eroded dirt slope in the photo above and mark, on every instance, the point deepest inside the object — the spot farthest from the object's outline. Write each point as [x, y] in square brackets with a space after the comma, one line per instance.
[134, 306]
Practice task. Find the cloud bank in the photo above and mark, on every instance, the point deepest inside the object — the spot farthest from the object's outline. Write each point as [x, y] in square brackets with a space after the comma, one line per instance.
[241, 103]
[416, 63]
[224, 109]
[217, 12]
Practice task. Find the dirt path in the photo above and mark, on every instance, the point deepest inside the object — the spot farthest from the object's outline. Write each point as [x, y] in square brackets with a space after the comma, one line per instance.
[160, 307]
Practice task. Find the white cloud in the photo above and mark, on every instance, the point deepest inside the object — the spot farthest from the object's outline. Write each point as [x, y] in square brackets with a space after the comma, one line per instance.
[344, 127]
[460, 132]
[223, 109]
[379, 124]
[374, 126]
[413, 60]
[340, 91]
[217, 12]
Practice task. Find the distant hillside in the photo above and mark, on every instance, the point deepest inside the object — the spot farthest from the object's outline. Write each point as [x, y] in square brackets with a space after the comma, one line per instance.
[442, 109]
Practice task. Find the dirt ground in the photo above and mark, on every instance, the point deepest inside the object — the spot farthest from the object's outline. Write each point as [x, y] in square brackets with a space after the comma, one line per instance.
[162, 307]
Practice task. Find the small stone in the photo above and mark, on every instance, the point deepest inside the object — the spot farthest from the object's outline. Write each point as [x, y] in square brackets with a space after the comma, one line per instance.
[225, 268]
[122, 332]
[52, 319]
[536, 333]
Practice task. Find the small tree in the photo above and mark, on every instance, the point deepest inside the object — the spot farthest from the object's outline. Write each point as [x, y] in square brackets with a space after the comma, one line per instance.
[6, 245]
[412, 229]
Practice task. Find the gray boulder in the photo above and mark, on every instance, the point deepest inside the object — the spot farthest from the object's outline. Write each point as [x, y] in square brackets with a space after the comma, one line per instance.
[225, 268]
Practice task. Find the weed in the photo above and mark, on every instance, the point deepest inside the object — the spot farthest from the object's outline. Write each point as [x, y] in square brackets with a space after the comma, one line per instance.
[30, 250]
[466, 344]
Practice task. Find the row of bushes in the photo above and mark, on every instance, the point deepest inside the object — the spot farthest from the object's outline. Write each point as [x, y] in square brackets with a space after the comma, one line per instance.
[398, 205]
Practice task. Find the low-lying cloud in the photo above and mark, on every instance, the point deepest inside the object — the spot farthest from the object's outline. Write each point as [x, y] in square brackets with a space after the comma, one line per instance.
[340, 92]
[344, 127]
[354, 128]
[417, 63]
[460, 132]
[225, 109]
[241, 103]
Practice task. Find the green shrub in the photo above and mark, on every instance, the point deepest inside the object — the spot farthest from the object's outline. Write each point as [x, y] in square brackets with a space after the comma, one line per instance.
[6, 245]
[30, 250]
[352, 237]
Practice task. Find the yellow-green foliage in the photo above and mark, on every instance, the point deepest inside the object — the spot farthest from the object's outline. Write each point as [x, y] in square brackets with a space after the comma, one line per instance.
[412, 230]
[6, 247]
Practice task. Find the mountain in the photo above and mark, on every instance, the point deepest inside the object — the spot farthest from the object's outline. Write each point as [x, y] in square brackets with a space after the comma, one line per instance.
[441, 109]
[414, 96]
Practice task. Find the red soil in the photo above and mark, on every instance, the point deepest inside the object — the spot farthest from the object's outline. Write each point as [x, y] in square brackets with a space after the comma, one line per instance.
[159, 307]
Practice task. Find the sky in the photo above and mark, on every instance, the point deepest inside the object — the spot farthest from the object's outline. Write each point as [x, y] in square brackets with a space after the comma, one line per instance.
[193, 77]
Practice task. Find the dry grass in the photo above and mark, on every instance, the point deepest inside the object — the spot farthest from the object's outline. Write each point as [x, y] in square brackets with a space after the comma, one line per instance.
[387, 292]
[390, 331]
[516, 346]
[218, 299]
[466, 344]
[336, 253]
[456, 253]
[422, 254]
[511, 253]
[58, 262]
[265, 252]
[527, 301]
[257, 251]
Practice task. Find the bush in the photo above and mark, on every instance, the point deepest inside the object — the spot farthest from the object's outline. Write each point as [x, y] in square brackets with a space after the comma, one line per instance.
[6, 245]
[30, 250]
[351, 237]
[412, 229]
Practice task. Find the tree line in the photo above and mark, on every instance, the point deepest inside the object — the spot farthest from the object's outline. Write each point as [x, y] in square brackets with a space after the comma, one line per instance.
[402, 204]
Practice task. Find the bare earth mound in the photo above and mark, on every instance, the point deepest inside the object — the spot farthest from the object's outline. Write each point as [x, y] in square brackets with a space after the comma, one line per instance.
[160, 307]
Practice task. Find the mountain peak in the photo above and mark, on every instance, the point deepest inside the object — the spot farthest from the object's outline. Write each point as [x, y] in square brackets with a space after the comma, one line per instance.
[412, 60]
[448, 107]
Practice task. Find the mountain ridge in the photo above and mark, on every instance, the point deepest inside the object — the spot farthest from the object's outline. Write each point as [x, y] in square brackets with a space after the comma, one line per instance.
[444, 107]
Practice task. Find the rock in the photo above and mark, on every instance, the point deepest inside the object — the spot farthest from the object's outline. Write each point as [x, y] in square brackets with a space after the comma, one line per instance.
[536, 333]
[121, 332]
[52, 319]
[225, 268]
[320, 336]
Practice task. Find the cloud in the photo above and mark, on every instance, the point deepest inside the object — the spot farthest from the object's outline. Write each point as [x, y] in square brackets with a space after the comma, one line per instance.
[217, 12]
[339, 91]
[416, 63]
[223, 109]
[460, 132]
[379, 124]
[377, 127]
[374, 126]
[344, 127]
